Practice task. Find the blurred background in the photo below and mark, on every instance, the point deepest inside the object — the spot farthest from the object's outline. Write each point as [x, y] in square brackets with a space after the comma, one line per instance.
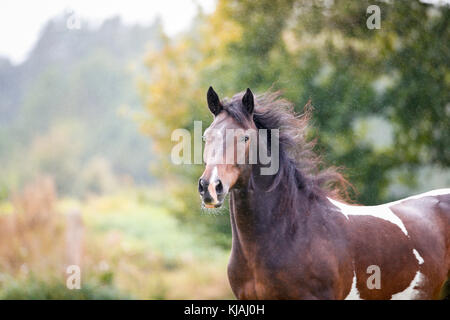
[90, 93]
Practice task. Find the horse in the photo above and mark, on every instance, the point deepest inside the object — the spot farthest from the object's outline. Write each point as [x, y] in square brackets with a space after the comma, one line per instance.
[294, 237]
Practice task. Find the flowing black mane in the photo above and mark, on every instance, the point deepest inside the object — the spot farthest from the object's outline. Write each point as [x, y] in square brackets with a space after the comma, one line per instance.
[299, 167]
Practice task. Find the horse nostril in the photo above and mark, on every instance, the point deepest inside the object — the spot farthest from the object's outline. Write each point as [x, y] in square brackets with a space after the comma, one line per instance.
[201, 186]
[219, 187]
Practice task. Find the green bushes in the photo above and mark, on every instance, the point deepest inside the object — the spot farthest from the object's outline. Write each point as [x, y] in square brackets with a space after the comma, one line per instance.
[38, 289]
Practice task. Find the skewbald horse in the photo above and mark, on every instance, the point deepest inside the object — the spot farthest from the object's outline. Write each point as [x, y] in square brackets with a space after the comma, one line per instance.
[292, 238]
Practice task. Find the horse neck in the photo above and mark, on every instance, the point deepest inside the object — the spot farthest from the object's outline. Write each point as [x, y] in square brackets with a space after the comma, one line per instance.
[258, 219]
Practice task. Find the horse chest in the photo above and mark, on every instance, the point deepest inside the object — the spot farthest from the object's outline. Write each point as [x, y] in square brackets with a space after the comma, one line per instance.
[248, 282]
[262, 280]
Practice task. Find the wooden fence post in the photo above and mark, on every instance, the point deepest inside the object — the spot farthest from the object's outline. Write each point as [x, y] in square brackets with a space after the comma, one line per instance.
[74, 238]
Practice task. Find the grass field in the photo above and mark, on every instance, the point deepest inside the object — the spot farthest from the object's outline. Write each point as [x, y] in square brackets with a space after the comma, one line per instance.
[131, 247]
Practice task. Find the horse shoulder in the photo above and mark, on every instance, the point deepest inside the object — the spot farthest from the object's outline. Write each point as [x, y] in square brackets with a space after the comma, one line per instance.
[407, 239]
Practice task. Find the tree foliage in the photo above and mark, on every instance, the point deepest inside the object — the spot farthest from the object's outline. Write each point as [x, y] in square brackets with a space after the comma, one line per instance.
[320, 50]
[67, 109]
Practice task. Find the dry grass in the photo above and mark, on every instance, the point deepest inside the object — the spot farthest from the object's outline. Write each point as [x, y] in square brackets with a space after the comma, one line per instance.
[33, 230]
[123, 243]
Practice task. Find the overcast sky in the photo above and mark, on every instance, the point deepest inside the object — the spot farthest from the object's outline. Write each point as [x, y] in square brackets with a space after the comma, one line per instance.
[22, 20]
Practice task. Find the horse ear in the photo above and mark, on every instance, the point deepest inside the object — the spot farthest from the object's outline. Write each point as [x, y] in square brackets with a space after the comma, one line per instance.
[248, 102]
[213, 101]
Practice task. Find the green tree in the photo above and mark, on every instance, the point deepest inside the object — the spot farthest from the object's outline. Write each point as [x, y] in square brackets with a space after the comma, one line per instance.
[320, 50]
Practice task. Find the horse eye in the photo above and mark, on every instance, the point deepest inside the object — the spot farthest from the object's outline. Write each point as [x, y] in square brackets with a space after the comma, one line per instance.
[246, 138]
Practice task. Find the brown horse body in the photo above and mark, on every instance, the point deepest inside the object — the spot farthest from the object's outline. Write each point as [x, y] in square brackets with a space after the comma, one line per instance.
[328, 255]
[292, 240]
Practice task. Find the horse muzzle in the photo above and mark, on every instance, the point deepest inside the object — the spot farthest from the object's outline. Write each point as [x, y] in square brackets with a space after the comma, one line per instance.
[212, 195]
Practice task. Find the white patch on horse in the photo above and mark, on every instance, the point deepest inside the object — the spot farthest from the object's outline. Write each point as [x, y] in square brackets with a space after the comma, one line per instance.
[437, 192]
[214, 176]
[354, 293]
[411, 292]
[418, 256]
[381, 212]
